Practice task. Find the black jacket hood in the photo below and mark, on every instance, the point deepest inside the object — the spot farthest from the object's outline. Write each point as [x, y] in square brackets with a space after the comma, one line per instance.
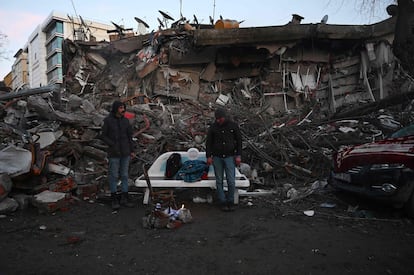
[116, 105]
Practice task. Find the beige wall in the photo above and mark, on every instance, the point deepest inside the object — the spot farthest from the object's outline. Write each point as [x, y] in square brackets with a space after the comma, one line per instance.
[8, 79]
[20, 71]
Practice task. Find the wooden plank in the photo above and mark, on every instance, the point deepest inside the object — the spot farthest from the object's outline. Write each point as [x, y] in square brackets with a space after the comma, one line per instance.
[346, 80]
[346, 71]
[353, 98]
[346, 89]
[350, 61]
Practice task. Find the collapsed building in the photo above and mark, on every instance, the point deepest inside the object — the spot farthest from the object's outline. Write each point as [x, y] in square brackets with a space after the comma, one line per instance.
[283, 66]
[284, 85]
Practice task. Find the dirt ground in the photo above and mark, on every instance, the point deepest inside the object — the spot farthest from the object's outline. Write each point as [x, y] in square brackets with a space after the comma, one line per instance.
[267, 237]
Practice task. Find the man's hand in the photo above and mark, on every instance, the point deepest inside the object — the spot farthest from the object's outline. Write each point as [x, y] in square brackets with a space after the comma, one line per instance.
[209, 161]
[237, 160]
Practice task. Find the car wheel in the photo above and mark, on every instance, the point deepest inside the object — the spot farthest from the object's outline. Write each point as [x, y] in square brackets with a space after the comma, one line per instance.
[409, 206]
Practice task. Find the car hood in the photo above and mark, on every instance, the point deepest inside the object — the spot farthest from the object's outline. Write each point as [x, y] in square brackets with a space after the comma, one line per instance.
[387, 151]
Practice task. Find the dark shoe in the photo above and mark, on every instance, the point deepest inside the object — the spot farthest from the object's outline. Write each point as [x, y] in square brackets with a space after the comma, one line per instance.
[125, 200]
[224, 208]
[231, 207]
[115, 203]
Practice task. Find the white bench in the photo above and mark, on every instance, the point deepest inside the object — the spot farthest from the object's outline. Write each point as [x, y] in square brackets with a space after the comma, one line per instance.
[158, 180]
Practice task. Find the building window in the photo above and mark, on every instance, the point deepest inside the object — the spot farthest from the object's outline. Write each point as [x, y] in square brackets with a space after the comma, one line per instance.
[57, 28]
[55, 76]
[54, 60]
[55, 44]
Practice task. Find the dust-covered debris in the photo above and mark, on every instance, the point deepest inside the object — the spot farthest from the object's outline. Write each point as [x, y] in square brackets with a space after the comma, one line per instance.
[297, 92]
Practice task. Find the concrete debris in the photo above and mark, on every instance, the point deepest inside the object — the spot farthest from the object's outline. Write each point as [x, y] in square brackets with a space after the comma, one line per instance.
[8, 205]
[15, 161]
[298, 92]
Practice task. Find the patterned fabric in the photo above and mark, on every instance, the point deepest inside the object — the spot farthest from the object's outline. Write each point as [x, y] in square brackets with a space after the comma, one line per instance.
[192, 170]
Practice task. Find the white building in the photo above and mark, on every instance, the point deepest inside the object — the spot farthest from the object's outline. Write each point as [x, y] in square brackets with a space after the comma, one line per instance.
[37, 58]
[44, 46]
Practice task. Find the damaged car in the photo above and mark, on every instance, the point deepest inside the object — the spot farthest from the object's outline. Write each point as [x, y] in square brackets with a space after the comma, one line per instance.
[382, 170]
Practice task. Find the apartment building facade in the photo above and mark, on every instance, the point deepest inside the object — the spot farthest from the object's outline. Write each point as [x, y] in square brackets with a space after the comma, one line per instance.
[20, 70]
[43, 51]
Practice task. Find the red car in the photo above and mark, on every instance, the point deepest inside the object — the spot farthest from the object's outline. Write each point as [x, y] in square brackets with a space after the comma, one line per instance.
[382, 170]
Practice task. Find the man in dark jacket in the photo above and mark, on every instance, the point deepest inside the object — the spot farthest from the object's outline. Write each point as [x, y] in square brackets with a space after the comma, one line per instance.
[223, 150]
[117, 134]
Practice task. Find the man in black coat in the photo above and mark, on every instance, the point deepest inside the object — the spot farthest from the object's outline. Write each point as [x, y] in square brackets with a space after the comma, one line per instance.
[223, 150]
[117, 134]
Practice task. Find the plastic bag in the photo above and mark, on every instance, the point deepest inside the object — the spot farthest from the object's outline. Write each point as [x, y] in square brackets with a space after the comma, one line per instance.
[184, 215]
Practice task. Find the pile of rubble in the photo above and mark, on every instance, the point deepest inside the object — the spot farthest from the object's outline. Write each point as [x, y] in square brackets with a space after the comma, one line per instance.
[295, 106]
[44, 148]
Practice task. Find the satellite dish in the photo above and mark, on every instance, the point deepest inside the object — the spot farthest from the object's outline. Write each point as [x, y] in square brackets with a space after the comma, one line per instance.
[141, 29]
[324, 19]
[165, 15]
[139, 20]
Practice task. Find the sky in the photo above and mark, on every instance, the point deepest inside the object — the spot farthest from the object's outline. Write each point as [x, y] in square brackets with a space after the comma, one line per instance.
[19, 18]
